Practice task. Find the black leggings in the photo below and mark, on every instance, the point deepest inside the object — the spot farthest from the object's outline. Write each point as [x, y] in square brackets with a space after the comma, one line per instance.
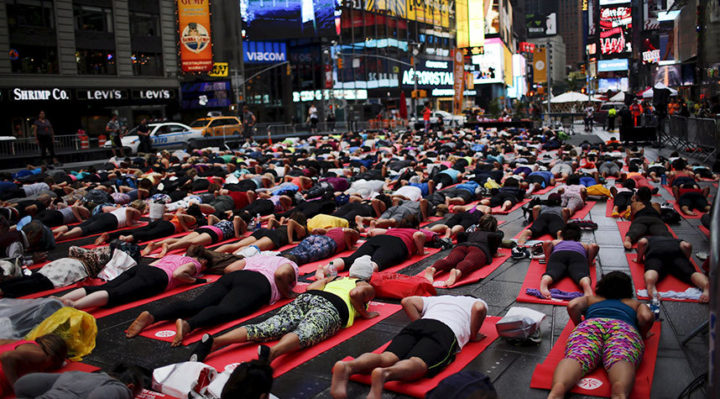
[572, 263]
[99, 223]
[693, 200]
[12, 193]
[50, 218]
[384, 250]
[233, 296]
[25, 285]
[547, 223]
[622, 200]
[647, 226]
[464, 219]
[665, 256]
[151, 231]
[134, 284]
[444, 179]
[352, 209]
[263, 207]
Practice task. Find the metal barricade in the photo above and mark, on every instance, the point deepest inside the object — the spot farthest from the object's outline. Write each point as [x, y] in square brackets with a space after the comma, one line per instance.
[705, 137]
[677, 133]
[29, 146]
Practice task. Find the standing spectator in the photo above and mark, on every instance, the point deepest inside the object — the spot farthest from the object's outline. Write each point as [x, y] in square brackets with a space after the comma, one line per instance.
[636, 110]
[248, 120]
[589, 117]
[313, 118]
[612, 114]
[426, 116]
[143, 132]
[113, 129]
[45, 136]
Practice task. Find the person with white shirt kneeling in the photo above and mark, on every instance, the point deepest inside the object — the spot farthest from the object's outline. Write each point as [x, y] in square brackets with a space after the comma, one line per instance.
[440, 327]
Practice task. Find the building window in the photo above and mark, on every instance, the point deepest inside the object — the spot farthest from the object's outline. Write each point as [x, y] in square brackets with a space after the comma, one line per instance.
[93, 19]
[31, 28]
[147, 64]
[144, 24]
[95, 62]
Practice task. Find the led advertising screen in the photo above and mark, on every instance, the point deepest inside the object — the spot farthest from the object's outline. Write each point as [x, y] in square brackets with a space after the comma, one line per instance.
[615, 31]
[539, 25]
[281, 19]
[489, 67]
[206, 95]
[613, 84]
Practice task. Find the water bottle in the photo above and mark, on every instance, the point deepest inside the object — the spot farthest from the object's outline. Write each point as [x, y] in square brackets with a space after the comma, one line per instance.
[663, 179]
[655, 307]
[332, 270]
[258, 222]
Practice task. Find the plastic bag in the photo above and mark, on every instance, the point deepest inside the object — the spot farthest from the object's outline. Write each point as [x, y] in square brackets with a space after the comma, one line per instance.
[182, 379]
[19, 316]
[77, 328]
[521, 324]
[119, 263]
[398, 286]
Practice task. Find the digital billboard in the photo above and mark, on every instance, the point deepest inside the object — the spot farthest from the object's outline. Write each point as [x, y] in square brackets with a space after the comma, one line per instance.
[613, 84]
[206, 95]
[282, 19]
[470, 23]
[489, 67]
[615, 31]
[195, 37]
[539, 25]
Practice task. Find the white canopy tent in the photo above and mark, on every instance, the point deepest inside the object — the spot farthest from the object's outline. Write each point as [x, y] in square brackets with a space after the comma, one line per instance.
[620, 97]
[572, 97]
[649, 93]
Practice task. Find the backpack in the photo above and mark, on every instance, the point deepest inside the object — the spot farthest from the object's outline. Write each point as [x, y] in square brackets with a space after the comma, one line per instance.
[670, 216]
[527, 209]
[462, 385]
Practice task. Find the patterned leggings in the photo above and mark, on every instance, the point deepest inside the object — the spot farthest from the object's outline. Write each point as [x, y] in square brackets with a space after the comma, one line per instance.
[609, 340]
[312, 317]
[314, 248]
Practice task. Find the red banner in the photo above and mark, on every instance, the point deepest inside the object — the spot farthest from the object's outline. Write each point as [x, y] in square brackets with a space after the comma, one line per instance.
[458, 81]
[195, 38]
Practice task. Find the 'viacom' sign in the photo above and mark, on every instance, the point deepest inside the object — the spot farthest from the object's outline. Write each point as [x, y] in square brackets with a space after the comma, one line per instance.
[264, 52]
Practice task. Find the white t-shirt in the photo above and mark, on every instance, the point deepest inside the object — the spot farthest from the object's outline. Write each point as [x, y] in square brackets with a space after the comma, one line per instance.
[454, 311]
[410, 192]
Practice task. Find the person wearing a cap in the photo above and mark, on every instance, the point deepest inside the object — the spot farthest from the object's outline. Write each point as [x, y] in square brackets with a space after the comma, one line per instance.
[440, 327]
[328, 306]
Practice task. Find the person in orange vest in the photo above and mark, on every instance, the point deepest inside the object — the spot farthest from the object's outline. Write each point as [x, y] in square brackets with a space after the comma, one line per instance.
[636, 110]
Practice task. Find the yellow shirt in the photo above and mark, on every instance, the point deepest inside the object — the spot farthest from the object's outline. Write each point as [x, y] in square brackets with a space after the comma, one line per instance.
[342, 287]
[322, 221]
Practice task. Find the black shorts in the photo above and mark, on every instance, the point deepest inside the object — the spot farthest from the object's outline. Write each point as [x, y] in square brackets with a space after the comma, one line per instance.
[536, 179]
[622, 200]
[384, 250]
[464, 219]
[116, 141]
[213, 235]
[693, 200]
[466, 195]
[100, 223]
[572, 263]
[547, 223]
[138, 282]
[278, 237]
[665, 257]
[501, 197]
[659, 170]
[430, 340]
[51, 218]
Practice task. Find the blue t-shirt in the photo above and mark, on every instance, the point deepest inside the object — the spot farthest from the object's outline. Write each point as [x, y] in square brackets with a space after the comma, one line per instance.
[453, 173]
[470, 186]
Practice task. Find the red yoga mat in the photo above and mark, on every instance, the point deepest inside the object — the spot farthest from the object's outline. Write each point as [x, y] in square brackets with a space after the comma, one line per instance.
[165, 331]
[311, 267]
[406, 263]
[177, 235]
[624, 227]
[596, 383]
[697, 214]
[704, 230]
[584, 211]
[156, 254]
[419, 388]
[544, 190]
[229, 357]
[532, 280]
[100, 312]
[146, 394]
[84, 283]
[479, 274]
[669, 283]
[135, 226]
[497, 210]
[77, 366]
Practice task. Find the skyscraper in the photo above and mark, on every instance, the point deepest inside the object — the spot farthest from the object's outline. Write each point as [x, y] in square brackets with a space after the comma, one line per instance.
[570, 25]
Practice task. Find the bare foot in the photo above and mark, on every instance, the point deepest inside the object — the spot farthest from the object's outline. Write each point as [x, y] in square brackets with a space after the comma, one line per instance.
[320, 273]
[454, 276]
[126, 238]
[378, 381]
[67, 302]
[627, 244]
[340, 376]
[142, 321]
[430, 274]
[182, 327]
[545, 293]
[163, 251]
[148, 249]
[102, 239]
[705, 297]
[689, 213]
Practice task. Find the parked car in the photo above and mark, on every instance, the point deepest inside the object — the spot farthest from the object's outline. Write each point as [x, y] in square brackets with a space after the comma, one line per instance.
[449, 120]
[164, 135]
[218, 126]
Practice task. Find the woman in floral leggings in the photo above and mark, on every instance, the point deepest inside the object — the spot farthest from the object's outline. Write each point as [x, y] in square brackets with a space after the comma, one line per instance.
[328, 306]
[612, 334]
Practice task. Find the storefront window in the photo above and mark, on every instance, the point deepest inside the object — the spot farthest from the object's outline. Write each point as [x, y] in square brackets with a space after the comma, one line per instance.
[31, 27]
[144, 24]
[95, 62]
[93, 19]
[147, 64]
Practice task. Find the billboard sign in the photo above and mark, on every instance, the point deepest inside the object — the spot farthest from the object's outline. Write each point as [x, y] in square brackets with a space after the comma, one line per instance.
[613, 84]
[470, 23]
[539, 69]
[206, 95]
[269, 20]
[541, 25]
[195, 38]
[433, 12]
[489, 67]
[264, 52]
[458, 79]
[430, 74]
[615, 30]
[620, 64]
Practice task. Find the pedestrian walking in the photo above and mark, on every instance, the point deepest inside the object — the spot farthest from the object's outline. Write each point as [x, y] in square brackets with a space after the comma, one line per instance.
[112, 128]
[45, 137]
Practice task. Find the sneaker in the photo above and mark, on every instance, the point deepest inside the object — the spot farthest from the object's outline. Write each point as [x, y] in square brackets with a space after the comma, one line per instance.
[520, 253]
[264, 353]
[445, 243]
[537, 249]
[202, 350]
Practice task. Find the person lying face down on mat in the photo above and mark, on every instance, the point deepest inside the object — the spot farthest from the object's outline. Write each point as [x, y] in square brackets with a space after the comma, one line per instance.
[440, 327]
[667, 255]
[278, 234]
[568, 256]
[473, 251]
[19, 357]
[646, 220]
[323, 244]
[122, 382]
[139, 282]
[386, 248]
[548, 218]
[247, 285]
[328, 306]
[507, 196]
[573, 194]
[113, 219]
[611, 333]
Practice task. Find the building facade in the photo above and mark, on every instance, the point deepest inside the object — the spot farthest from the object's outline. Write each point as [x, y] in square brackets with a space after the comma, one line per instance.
[81, 60]
[570, 27]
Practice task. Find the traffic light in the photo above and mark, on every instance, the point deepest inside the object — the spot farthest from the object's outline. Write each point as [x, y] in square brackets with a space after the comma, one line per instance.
[582, 68]
[340, 63]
